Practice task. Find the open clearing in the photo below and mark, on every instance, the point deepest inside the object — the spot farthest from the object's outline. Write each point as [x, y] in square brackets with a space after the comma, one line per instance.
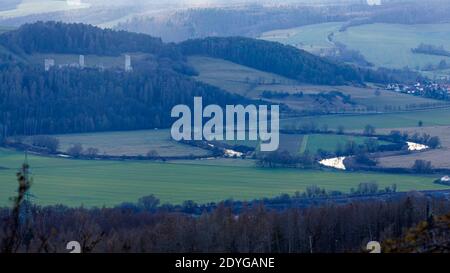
[233, 77]
[98, 183]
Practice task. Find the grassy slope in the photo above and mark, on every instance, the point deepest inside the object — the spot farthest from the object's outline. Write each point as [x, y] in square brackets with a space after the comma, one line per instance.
[387, 45]
[76, 182]
[390, 45]
[230, 76]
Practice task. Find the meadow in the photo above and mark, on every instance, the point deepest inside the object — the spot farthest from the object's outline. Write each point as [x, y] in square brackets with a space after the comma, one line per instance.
[329, 143]
[131, 143]
[107, 183]
[301, 143]
[233, 77]
[389, 45]
[384, 45]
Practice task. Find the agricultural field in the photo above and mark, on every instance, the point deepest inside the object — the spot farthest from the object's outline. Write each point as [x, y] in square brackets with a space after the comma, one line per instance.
[384, 45]
[101, 183]
[311, 143]
[439, 158]
[433, 117]
[131, 143]
[329, 143]
[389, 45]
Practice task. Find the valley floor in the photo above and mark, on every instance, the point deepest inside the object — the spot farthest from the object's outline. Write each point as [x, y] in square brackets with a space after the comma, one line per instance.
[108, 183]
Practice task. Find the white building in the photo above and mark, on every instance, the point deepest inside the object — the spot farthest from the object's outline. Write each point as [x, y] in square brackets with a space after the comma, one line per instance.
[128, 66]
[48, 63]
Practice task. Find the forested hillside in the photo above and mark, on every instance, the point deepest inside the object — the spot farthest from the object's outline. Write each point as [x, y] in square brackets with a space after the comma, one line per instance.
[273, 57]
[57, 37]
[74, 100]
[64, 99]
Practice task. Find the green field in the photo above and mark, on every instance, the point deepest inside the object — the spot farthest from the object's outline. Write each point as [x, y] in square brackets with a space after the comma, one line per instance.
[98, 183]
[131, 143]
[330, 143]
[313, 142]
[434, 117]
[384, 45]
[232, 77]
[389, 45]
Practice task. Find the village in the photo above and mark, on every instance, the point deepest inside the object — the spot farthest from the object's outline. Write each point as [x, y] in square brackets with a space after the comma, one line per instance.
[425, 89]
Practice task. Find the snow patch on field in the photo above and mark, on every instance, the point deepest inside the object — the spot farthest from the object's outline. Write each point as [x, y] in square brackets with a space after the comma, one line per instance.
[336, 162]
[231, 153]
[416, 146]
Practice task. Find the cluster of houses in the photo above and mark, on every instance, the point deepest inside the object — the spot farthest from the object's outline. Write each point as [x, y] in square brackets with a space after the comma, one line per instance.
[49, 63]
[428, 89]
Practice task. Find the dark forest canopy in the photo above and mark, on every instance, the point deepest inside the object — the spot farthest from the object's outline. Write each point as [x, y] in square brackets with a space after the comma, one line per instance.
[74, 100]
[273, 57]
[57, 37]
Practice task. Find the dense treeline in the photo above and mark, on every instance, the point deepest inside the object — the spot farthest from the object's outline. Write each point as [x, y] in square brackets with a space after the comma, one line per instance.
[273, 57]
[57, 37]
[327, 228]
[431, 50]
[73, 100]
